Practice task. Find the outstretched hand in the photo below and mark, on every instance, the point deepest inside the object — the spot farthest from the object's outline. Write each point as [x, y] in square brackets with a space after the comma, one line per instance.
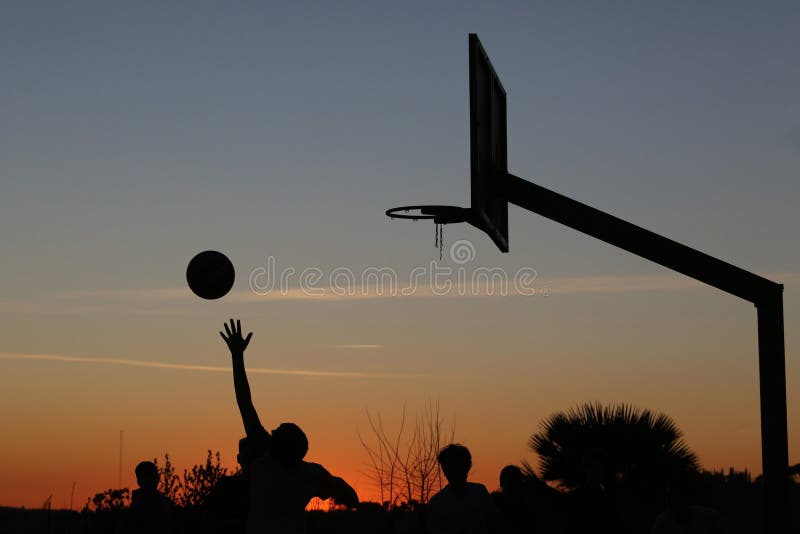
[236, 343]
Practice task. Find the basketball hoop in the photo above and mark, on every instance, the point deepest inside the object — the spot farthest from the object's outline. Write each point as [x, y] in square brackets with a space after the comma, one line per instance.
[440, 215]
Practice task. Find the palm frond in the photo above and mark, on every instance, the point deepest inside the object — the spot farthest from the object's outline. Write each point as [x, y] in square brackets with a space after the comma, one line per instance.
[625, 440]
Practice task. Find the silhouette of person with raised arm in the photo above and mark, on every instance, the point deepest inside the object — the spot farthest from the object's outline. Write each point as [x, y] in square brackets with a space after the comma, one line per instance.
[151, 511]
[461, 507]
[281, 482]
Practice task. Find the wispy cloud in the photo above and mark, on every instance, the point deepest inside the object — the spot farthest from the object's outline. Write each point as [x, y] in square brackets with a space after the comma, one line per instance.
[208, 368]
[158, 294]
[159, 301]
[620, 284]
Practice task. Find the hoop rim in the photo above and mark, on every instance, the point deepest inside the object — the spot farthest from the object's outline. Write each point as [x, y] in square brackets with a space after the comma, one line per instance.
[440, 214]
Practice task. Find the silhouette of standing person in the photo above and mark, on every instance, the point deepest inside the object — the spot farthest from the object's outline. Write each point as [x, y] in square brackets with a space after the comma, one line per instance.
[516, 501]
[461, 507]
[225, 508]
[150, 511]
[527, 503]
[591, 508]
[281, 482]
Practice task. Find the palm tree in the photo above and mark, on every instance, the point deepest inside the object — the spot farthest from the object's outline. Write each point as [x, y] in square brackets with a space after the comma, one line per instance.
[616, 445]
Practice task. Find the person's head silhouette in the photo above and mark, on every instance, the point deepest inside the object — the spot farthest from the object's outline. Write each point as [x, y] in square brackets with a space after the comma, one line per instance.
[289, 444]
[512, 480]
[456, 462]
[147, 475]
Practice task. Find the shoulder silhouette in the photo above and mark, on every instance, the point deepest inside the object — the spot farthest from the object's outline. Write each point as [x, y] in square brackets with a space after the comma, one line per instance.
[150, 512]
[461, 507]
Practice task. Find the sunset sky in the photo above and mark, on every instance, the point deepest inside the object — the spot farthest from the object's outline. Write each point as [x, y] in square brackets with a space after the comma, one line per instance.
[133, 136]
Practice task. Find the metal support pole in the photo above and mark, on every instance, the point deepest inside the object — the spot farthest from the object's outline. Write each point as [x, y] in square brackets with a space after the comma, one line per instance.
[774, 434]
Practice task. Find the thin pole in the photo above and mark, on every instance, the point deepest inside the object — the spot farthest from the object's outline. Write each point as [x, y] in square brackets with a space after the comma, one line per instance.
[49, 512]
[119, 485]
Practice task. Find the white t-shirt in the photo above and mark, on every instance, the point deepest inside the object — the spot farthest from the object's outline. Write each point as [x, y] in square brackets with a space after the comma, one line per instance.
[279, 495]
[472, 512]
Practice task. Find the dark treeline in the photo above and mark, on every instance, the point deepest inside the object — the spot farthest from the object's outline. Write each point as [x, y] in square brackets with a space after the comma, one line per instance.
[525, 503]
[734, 494]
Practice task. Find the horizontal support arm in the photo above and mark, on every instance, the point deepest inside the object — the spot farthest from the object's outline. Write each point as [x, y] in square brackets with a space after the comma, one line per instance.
[639, 241]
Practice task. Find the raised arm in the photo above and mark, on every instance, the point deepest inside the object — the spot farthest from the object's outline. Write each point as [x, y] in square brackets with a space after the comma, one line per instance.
[237, 345]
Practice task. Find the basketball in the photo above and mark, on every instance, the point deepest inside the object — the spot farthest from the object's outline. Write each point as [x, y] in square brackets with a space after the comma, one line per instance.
[210, 275]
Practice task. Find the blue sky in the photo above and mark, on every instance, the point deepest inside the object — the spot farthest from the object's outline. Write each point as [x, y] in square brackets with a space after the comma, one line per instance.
[132, 126]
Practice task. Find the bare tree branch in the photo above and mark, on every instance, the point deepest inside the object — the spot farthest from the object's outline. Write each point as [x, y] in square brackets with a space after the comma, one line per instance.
[407, 460]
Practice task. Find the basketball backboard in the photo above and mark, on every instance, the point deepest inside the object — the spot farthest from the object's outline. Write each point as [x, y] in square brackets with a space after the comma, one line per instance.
[488, 149]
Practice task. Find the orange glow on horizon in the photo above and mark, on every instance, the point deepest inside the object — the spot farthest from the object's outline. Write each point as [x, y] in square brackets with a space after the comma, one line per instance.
[66, 409]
